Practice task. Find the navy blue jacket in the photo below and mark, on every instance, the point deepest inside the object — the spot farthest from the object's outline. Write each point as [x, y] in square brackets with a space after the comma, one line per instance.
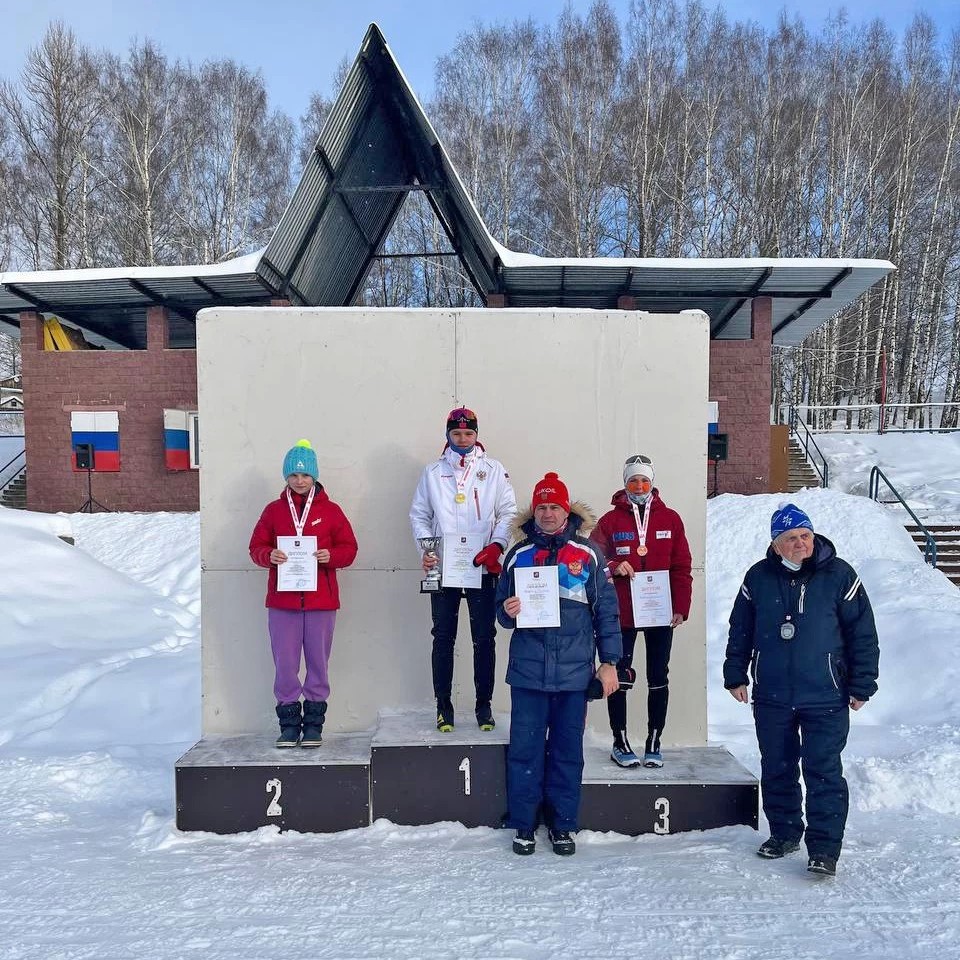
[552, 659]
[833, 655]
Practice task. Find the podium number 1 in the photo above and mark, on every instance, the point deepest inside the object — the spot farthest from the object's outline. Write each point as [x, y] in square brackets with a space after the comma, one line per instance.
[273, 808]
[464, 768]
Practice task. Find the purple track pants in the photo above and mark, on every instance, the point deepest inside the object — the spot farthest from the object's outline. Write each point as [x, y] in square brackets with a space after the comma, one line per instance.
[301, 632]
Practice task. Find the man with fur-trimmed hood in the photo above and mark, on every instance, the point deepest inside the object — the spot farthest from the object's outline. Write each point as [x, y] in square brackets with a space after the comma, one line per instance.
[551, 667]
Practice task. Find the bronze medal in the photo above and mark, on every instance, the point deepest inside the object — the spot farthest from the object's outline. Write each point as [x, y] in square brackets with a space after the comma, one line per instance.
[642, 550]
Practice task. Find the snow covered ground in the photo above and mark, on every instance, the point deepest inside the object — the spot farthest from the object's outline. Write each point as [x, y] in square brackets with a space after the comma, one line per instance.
[99, 694]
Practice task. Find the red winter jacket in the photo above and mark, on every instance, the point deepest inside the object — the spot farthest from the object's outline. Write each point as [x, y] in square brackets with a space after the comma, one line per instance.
[667, 549]
[328, 523]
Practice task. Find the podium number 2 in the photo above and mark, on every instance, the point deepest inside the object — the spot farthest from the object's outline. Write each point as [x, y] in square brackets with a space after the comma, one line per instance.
[464, 768]
[662, 806]
[273, 808]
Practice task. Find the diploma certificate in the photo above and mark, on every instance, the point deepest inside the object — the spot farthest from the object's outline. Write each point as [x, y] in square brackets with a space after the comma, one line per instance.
[299, 572]
[652, 603]
[539, 591]
[457, 567]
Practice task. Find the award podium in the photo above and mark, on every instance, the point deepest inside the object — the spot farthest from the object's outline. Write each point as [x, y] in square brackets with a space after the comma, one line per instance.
[409, 773]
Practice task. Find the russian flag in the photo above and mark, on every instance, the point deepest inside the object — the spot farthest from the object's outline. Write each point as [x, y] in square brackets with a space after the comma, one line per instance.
[176, 439]
[101, 429]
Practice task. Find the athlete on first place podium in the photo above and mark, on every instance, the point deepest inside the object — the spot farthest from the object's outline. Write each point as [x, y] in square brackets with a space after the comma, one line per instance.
[467, 493]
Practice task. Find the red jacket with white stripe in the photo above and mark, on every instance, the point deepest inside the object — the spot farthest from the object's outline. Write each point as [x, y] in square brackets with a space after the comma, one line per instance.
[617, 537]
[328, 523]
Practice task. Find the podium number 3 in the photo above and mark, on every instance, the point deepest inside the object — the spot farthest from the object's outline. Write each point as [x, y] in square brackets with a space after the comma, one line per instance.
[464, 768]
[273, 808]
[662, 806]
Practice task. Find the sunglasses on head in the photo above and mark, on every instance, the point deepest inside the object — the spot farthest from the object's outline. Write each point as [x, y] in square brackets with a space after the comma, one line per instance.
[639, 458]
[462, 413]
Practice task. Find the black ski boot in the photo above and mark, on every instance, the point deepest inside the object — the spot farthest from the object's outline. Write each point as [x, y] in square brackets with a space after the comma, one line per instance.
[313, 713]
[485, 719]
[445, 716]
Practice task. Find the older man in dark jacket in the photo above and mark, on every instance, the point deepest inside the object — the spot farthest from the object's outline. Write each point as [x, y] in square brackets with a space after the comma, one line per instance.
[551, 667]
[804, 627]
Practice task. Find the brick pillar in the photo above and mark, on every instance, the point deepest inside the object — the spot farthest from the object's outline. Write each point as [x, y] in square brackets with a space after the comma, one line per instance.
[158, 329]
[31, 333]
[626, 302]
[761, 321]
[280, 302]
[740, 383]
[496, 300]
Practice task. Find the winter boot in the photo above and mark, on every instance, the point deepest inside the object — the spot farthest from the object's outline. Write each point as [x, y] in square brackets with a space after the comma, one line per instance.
[485, 719]
[524, 843]
[289, 716]
[823, 865]
[774, 848]
[445, 715]
[313, 713]
[563, 844]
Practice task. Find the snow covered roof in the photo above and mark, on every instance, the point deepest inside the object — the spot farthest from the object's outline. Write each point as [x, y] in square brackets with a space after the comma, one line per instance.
[377, 146]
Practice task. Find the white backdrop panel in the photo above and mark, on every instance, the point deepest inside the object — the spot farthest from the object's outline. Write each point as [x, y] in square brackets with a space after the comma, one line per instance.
[570, 391]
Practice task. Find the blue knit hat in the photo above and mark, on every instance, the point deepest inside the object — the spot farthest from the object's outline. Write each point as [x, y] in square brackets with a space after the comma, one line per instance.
[301, 458]
[788, 517]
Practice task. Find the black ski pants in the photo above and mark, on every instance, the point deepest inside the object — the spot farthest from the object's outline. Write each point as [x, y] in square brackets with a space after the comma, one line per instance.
[807, 739]
[445, 607]
[658, 642]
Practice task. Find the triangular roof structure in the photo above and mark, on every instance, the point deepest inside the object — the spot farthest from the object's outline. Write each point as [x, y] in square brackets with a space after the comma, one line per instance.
[377, 146]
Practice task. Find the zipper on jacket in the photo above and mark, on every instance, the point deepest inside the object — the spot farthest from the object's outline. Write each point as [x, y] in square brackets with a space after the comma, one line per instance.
[803, 593]
[830, 668]
[476, 501]
[756, 668]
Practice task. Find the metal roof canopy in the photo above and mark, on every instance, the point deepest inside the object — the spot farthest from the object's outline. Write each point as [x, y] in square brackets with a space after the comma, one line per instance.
[377, 146]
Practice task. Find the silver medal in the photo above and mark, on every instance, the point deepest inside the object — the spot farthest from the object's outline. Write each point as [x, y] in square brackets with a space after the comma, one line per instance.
[787, 631]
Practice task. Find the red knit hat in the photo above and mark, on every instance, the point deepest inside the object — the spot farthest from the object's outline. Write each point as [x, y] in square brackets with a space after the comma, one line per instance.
[551, 489]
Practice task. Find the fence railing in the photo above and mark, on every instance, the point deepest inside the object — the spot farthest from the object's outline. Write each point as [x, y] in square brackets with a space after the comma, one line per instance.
[930, 545]
[12, 469]
[878, 417]
[811, 451]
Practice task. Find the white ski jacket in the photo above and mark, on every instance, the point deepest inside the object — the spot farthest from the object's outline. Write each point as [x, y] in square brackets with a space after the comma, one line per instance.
[488, 507]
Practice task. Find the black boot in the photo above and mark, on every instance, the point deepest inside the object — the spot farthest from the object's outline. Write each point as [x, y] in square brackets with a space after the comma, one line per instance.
[485, 719]
[445, 715]
[313, 713]
[289, 716]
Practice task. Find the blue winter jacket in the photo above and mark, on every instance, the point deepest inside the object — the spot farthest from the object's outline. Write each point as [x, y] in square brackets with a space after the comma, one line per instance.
[833, 654]
[551, 659]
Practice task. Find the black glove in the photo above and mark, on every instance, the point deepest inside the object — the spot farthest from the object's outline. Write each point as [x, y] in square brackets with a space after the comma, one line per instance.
[626, 675]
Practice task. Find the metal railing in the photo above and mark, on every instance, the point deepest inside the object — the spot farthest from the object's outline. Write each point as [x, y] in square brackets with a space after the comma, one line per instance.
[930, 545]
[808, 443]
[11, 470]
[880, 417]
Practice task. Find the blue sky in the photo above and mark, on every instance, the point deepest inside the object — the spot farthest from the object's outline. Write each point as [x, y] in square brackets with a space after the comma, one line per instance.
[297, 44]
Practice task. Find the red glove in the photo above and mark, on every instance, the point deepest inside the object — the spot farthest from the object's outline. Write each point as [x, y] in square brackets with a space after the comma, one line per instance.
[489, 557]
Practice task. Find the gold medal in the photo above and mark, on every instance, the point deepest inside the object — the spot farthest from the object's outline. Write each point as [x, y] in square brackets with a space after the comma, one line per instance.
[461, 498]
[642, 550]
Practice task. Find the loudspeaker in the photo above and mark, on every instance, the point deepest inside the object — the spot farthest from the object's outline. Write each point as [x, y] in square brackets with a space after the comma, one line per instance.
[716, 446]
[86, 456]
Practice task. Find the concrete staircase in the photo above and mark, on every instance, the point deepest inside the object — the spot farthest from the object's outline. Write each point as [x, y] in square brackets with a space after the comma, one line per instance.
[947, 538]
[800, 473]
[15, 493]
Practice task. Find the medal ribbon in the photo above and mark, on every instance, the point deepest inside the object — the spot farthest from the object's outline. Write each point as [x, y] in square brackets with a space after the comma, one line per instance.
[461, 497]
[300, 522]
[641, 525]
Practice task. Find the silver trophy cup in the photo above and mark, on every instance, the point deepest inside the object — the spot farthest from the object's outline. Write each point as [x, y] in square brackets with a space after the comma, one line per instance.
[430, 547]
